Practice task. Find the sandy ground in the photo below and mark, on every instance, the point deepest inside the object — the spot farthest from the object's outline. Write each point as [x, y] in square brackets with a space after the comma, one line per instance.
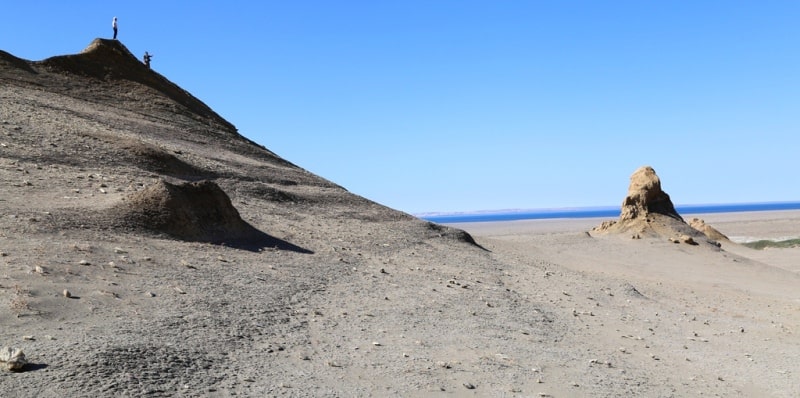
[733, 313]
[337, 295]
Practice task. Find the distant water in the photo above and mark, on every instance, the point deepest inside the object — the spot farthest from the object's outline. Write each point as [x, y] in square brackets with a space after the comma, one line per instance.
[591, 212]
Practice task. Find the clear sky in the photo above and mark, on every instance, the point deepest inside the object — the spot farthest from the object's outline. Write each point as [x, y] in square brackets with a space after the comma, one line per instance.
[459, 105]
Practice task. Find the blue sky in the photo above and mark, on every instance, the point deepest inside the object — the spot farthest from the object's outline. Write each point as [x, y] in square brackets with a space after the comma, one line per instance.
[439, 105]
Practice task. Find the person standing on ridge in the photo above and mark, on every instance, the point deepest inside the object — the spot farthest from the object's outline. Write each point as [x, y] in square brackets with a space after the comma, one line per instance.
[114, 26]
[146, 59]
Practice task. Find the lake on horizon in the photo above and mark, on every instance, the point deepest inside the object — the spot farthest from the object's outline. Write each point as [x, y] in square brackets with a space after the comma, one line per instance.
[594, 212]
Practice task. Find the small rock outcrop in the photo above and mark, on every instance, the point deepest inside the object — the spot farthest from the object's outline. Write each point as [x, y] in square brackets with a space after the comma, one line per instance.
[193, 211]
[645, 197]
[708, 230]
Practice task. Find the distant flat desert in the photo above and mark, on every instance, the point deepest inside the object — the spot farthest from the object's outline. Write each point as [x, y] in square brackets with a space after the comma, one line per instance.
[738, 226]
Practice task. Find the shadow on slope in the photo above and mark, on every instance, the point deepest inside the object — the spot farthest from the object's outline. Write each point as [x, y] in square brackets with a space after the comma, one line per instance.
[196, 211]
[152, 158]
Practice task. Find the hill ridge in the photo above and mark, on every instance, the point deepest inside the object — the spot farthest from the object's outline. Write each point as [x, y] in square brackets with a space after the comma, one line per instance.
[108, 59]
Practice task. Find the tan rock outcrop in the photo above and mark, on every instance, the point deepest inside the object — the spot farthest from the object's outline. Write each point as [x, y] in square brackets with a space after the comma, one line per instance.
[647, 211]
[645, 196]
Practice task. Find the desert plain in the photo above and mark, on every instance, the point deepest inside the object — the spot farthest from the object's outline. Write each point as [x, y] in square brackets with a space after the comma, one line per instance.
[148, 249]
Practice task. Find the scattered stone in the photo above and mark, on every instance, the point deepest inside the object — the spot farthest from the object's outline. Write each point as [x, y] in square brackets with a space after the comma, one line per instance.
[120, 251]
[376, 344]
[85, 262]
[598, 362]
[469, 386]
[12, 359]
[29, 338]
[40, 270]
[66, 293]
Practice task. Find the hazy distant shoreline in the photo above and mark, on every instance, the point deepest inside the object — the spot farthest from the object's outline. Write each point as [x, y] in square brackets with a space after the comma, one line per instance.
[595, 212]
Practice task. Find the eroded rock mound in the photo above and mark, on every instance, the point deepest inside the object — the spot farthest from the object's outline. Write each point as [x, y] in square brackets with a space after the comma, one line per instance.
[708, 230]
[196, 211]
[647, 211]
[646, 197]
[441, 231]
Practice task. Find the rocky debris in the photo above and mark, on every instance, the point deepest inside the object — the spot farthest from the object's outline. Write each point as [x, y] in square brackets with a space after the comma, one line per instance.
[12, 359]
[683, 239]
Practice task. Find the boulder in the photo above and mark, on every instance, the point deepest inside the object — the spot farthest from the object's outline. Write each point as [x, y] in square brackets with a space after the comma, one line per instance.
[12, 359]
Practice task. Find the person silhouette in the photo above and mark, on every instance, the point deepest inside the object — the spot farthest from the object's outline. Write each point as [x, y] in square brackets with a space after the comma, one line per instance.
[146, 59]
[114, 26]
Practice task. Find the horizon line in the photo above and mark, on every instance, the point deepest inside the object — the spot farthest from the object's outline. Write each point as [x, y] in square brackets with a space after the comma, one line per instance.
[596, 211]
